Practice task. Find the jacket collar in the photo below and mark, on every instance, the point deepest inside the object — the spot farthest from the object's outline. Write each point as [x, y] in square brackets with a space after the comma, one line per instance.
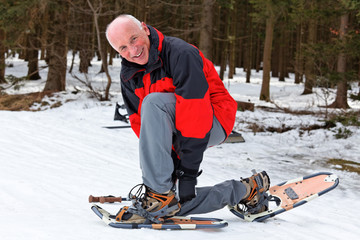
[130, 69]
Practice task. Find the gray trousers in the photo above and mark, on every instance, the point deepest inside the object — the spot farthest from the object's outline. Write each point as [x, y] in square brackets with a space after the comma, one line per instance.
[156, 141]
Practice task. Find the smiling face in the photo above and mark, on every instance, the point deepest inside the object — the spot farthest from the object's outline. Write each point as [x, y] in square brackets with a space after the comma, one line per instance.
[130, 39]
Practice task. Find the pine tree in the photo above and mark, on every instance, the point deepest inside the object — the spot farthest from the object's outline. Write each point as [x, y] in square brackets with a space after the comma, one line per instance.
[206, 39]
[268, 11]
[58, 45]
[349, 48]
[341, 93]
[19, 21]
[311, 39]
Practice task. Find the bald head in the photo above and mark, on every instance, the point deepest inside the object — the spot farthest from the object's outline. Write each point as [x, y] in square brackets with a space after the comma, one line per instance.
[129, 37]
[121, 19]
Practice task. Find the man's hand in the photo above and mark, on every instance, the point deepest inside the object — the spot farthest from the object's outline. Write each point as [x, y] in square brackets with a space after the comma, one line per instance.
[186, 184]
[187, 188]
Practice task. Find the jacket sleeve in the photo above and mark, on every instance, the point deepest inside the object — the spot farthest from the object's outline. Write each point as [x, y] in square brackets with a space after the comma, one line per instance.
[131, 102]
[193, 112]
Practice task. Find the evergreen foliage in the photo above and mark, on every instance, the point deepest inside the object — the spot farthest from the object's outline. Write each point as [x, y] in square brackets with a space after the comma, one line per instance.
[305, 35]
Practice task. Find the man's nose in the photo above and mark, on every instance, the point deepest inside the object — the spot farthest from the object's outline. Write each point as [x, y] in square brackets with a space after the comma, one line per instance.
[133, 50]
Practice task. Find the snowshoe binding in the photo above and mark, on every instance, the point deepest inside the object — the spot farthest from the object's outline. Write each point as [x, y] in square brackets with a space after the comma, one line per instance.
[256, 198]
[148, 207]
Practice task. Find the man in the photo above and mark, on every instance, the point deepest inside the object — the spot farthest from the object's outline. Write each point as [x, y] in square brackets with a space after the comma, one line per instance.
[178, 107]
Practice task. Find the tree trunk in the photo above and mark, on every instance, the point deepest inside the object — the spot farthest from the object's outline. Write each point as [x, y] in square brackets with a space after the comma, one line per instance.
[33, 65]
[282, 54]
[102, 22]
[44, 24]
[85, 44]
[84, 60]
[224, 47]
[298, 55]
[248, 54]
[359, 74]
[206, 38]
[288, 56]
[72, 61]
[265, 87]
[359, 78]
[309, 64]
[100, 47]
[249, 44]
[218, 45]
[223, 57]
[111, 55]
[258, 51]
[231, 39]
[33, 57]
[341, 93]
[275, 59]
[56, 80]
[241, 33]
[2, 56]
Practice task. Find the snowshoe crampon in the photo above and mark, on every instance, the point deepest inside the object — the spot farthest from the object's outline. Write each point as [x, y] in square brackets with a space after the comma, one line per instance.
[290, 194]
[179, 223]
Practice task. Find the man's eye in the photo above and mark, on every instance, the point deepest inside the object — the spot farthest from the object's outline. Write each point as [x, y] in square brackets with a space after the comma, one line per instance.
[133, 39]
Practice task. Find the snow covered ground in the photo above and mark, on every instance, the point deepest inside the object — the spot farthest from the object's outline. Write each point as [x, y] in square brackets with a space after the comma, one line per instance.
[52, 160]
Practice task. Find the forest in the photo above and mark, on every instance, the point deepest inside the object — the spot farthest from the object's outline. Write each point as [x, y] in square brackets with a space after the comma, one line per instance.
[316, 40]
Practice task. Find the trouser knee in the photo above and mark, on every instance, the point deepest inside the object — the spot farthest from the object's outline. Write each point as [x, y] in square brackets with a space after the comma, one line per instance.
[158, 100]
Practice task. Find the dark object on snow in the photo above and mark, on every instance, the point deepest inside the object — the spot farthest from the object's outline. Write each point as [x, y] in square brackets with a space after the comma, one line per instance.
[245, 106]
[106, 199]
[116, 127]
[118, 116]
[235, 137]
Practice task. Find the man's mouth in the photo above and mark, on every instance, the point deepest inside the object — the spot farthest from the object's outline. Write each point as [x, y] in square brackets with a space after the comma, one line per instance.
[136, 56]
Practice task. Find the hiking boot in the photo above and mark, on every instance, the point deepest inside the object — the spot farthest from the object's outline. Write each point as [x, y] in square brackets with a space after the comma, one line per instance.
[255, 199]
[150, 207]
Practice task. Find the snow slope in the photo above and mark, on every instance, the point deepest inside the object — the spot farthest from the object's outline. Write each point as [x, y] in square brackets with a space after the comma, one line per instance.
[52, 160]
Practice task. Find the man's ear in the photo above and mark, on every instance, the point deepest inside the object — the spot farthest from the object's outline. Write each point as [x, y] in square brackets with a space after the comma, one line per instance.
[145, 28]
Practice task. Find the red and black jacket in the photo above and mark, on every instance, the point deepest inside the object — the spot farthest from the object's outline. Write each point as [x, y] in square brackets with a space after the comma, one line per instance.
[178, 67]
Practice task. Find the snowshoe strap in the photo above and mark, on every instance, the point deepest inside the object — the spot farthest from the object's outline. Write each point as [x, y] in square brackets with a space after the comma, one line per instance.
[138, 210]
[264, 201]
[165, 211]
[154, 217]
[275, 199]
[257, 179]
[121, 213]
